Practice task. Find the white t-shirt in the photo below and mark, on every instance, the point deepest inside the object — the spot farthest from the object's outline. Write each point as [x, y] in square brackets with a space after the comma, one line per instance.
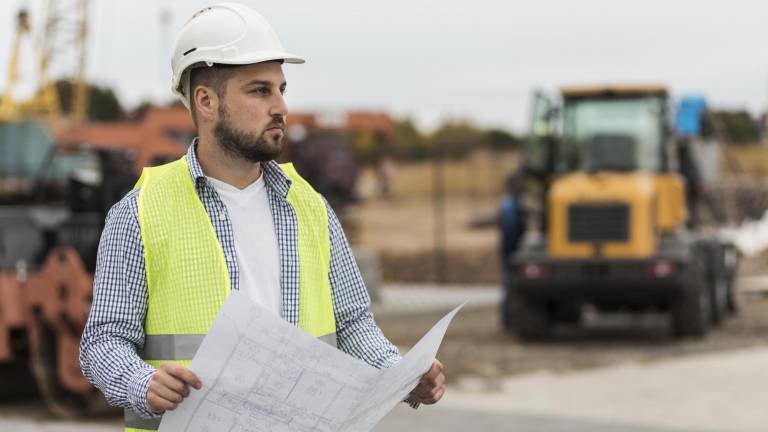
[255, 241]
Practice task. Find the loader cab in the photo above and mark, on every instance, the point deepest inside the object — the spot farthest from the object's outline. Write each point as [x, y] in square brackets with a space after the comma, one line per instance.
[601, 129]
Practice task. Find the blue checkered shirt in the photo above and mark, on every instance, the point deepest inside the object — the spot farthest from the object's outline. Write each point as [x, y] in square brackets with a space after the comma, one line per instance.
[115, 327]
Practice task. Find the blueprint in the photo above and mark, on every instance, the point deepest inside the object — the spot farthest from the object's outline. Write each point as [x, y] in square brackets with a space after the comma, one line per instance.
[262, 374]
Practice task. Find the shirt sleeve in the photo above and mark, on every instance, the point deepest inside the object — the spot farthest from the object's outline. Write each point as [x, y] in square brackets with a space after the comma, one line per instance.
[115, 327]
[356, 331]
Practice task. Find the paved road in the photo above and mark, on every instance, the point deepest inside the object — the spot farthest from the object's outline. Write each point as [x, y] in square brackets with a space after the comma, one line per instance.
[722, 391]
[410, 299]
[703, 393]
[402, 418]
[434, 419]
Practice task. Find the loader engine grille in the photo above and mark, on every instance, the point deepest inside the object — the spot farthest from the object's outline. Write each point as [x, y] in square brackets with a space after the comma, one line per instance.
[598, 223]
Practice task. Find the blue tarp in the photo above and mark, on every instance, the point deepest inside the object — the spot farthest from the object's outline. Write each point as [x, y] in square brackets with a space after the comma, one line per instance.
[24, 147]
[688, 117]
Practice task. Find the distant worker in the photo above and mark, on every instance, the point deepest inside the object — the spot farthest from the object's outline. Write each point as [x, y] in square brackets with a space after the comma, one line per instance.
[224, 217]
[694, 185]
[512, 222]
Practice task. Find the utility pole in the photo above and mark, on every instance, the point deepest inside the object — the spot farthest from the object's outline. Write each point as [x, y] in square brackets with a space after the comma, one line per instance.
[438, 205]
[765, 115]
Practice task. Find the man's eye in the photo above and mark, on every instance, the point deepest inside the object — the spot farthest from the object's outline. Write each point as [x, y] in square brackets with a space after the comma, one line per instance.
[261, 90]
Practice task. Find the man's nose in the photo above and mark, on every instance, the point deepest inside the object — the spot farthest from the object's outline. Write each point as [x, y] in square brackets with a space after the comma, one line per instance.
[279, 107]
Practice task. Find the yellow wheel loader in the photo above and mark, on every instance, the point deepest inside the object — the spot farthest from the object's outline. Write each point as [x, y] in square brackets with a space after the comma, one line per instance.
[611, 187]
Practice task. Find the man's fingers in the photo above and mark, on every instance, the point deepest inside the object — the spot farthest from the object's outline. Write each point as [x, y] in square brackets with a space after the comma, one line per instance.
[431, 386]
[171, 383]
[160, 389]
[429, 390]
[169, 386]
[434, 371]
[159, 404]
[434, 396]
[429, 396]
[439, 381]
[427, 385]
[183, 374]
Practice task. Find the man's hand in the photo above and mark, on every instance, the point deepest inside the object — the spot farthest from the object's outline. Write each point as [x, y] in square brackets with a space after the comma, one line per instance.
[169, 385]
[431, 386]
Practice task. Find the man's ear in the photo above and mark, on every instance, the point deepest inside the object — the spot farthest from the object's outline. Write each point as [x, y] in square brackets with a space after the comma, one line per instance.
[206, 103]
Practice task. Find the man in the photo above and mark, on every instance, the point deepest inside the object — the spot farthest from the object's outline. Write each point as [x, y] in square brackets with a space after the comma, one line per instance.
[224, 217]
[512, 224]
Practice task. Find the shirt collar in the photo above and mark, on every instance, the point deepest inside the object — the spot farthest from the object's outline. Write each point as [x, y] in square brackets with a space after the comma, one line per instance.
[194, 165]
[274, 177]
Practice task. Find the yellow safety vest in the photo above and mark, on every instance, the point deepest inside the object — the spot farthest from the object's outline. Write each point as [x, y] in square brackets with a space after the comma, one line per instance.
[187, 275]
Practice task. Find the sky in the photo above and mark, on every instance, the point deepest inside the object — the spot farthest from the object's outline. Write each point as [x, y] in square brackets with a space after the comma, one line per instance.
[438, 60]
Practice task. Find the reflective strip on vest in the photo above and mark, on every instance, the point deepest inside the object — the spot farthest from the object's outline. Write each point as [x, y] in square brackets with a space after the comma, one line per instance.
[171, 346]
[135, 421]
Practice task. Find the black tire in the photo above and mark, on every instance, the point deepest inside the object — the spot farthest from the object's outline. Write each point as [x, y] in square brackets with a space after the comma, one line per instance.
[733, 298]
[719, 297]
[731, 260]
[504, 310]
[529, 319]
[717, 281]
[691, 314]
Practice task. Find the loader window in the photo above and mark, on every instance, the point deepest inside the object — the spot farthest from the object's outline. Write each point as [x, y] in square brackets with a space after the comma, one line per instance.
[612, 134]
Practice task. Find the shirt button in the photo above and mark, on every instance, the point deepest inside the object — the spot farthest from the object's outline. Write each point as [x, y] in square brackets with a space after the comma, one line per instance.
[222, 216]
[229, 257]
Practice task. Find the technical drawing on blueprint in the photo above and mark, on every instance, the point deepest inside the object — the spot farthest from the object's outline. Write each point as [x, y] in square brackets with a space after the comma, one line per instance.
[261, 374]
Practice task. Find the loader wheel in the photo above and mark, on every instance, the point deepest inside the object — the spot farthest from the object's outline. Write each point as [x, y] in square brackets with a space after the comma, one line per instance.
[691, 314]
[719, 297]
[44, 360]
[530, 319]
[731, 260]
[717, 281]
[733, 305]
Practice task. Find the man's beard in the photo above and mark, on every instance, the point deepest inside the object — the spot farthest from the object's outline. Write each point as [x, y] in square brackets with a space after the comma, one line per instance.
[247, 145]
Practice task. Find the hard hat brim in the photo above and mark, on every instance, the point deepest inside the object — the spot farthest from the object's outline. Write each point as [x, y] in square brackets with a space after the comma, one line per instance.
[262, 57]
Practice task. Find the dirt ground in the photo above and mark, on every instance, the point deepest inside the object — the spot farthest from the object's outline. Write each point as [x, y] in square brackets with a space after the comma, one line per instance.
[475, 345]
[402, 232]
[402, 226]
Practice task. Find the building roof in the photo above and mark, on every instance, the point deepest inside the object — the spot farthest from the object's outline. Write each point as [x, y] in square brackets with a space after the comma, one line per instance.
[354, 121]
[158, 133]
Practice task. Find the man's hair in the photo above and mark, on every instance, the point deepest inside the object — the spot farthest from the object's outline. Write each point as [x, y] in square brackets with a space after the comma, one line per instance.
[215, 77]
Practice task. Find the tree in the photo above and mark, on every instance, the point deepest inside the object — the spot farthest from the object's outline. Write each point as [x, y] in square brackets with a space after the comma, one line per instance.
[103, 104]
[363, 146]
[501, 140]
[408, 143]
[739, 126]
[455, 139]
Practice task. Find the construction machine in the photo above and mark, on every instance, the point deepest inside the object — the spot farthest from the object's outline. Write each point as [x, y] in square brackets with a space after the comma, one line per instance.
[53, 201]
[613, 185]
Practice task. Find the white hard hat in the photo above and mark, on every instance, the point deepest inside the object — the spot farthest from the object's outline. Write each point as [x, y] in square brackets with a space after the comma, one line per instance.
[225, 33]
